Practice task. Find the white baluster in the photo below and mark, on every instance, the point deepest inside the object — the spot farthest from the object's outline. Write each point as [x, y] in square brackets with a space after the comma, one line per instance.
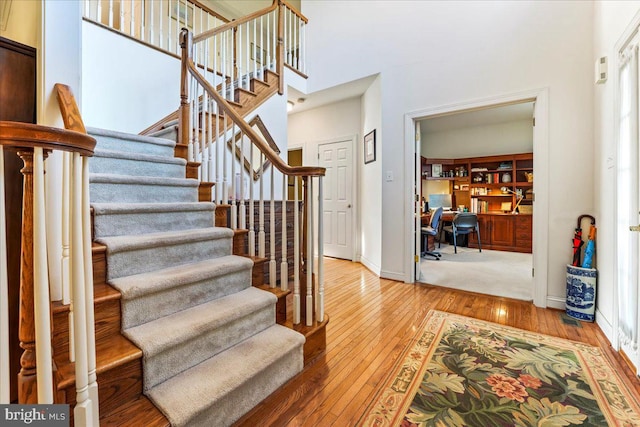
[270, 51]
[309, 267]
[284, 266]
[141, 21]
[41, 299]
[110, 14]
[320, 302]
[5, 395]
[66, 223]
[304, 48]
[132, 31]
[252, 231]
[243, 209]
[247, 56]
[169, 25]
[225, 184]
[239, 64]
[152, 18]
[264, 50]
[234, 212]
[204, 136]
[274, 35]
[273, 278]
[256, 50]
[220, 194]
[296, 254]
[121, 15]
[261, 236]
[160, 26]
[83, 409]
[88, 282]
[99, 12]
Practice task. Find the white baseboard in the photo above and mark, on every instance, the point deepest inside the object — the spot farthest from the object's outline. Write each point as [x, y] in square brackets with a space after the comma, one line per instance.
[556, 302]
[605, 326]
[375, 269]
[392, 275]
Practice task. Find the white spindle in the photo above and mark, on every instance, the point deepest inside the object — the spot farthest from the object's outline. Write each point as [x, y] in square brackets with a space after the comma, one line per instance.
[132, 30]
[239, 65]
[225, 170]
[220, 187]
[270, 37]
[273, 278]
[234, 211]
[5, 395]
[252, 231]
[160, 25]
[83, 409]
[110, 14]
[99, 12]
[261, 236]
[243, 209]
[284, 266]
[309, 267]
[66, 224]
[274, 38]
[141, 22]
[152, 19]
[247, 56]
[303, 48]
[88, 282]
[121, 16]
[256, 49]
[169, 25]
[320, 302]
[296, 254]
[264, 50]
[41, 299]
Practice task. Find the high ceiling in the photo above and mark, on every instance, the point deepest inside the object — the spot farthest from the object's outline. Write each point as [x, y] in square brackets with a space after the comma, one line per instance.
[233, 9]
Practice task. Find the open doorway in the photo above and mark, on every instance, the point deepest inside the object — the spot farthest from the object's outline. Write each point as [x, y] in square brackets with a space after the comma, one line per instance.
[481, 161]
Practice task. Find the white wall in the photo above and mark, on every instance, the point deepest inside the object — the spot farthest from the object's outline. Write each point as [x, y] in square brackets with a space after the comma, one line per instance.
[610, 20]
[125, 85]
[432, 54]
[486, 140]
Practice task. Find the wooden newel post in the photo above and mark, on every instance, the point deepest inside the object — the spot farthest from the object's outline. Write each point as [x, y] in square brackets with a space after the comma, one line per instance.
[186, 40]
[27, 389]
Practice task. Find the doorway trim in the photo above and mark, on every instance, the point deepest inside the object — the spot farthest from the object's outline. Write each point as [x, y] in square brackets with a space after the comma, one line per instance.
[541, 171]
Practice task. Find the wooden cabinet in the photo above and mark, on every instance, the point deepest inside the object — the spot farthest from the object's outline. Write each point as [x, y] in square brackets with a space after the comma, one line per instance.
[504, 232]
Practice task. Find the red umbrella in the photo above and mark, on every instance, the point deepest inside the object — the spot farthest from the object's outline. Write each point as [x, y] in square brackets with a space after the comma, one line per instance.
[577, 245]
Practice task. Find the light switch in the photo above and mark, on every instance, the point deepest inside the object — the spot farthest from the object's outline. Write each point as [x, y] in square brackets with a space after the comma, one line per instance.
[389, 176]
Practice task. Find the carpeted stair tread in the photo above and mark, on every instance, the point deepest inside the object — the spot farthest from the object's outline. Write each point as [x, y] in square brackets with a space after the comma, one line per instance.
[117, 219]
[150, 208]
[185, 325]
[135, 254]
[177, 288]
[244, 375]
[159, 280]
[122, 141]
[117, 244]
[136, 164]
[106, 188]
[142, 180]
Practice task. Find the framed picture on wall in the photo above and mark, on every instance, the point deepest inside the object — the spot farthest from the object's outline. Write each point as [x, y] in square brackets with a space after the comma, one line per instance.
[370, 147]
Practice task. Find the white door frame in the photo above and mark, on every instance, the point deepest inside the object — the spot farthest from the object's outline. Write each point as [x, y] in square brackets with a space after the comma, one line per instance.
[541, 172]
[621, 43]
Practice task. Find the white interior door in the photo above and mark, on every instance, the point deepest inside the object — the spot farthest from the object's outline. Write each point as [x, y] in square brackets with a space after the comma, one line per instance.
[628, 205]
[417, 205]
[337, 158]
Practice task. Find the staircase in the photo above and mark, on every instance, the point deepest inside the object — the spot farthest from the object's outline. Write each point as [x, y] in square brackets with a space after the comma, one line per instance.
[210, 348]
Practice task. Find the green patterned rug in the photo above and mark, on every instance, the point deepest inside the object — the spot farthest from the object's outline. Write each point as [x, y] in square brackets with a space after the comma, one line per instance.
[459, 371]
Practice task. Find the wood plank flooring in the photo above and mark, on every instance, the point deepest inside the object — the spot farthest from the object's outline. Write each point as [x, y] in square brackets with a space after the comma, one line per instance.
[371, 321]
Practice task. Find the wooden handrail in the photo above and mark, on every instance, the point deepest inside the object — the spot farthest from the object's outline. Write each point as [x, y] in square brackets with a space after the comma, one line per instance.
[69, 108]
[222, 28]
[208, 10]
[295, 11]
[20, 135]
[271, 155]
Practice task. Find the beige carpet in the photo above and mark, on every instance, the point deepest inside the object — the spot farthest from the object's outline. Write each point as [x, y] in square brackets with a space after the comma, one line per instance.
[499, 273]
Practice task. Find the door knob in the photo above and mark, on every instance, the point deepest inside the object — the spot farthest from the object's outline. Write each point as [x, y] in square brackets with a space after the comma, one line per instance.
[349, 206]
[634, 228]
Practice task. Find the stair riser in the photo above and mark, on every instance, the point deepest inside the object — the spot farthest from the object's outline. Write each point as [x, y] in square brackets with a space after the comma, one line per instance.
[144, 222]
[242, 399]
[129, 146]
[135, 167]
[167, 133]
[116, 387]
[183, 297]
[209, 343]
[146, 259]
[138, 193]
[107, 323]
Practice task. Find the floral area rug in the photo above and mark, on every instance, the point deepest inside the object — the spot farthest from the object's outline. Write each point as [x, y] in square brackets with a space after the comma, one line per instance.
[460, 371]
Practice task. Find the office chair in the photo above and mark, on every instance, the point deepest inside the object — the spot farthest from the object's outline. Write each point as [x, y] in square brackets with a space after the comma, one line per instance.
[463, 223]
[431, 230]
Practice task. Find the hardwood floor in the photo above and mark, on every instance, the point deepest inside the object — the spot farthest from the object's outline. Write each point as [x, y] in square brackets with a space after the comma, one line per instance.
[371, 321]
